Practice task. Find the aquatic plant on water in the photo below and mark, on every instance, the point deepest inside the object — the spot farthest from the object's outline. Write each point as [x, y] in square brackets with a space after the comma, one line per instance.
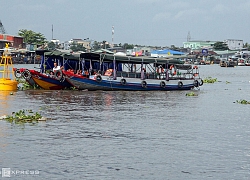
[243, 101]
[24, 85]
[24, 116]
[191, 94]
[210, 80]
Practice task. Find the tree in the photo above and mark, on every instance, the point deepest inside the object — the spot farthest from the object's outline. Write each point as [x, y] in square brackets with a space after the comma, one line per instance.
[128, 46]
[51, 45]
[96, 46]
[220, 46]
[31, 37]
[246, 45]
[77, 47]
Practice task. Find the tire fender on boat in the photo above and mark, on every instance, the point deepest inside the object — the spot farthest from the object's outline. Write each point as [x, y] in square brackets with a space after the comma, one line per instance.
[180, 84]
[17, 73]
[196, 83]
[201, 83]
[62, 79]
[58, 74]
[144, 84]
[162, 84]
[123, 81]
[98, 78]
[26, 74]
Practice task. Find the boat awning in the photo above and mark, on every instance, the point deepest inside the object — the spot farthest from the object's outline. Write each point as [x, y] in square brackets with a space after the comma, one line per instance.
[129, 59]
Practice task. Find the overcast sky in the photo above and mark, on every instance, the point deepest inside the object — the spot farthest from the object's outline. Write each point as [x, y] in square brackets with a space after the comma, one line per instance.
[143, 22]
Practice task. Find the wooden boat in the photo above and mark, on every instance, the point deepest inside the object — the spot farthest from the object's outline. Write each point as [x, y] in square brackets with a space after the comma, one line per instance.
[43, 77]
[162, 75]
[241, 62]
[247, 62]
[228, 63]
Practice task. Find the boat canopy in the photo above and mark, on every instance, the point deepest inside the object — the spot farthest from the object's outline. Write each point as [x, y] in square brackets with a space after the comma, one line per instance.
[129, 59]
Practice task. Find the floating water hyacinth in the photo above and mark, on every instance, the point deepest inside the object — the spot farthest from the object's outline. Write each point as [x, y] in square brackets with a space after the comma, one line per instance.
[243, 101]
[22, 117]
[191, 94]
[210, 80]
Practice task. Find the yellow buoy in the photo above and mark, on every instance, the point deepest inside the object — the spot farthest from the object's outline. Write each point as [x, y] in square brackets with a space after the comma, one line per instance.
[6, 71]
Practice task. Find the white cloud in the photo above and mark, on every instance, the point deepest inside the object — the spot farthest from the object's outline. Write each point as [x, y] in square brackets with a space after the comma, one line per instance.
[162, 16]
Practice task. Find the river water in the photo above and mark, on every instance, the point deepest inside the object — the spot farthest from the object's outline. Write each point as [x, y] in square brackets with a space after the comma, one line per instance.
[132, 135]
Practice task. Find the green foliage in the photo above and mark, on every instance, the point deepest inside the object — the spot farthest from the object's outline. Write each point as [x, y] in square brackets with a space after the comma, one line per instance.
[246, 45]
[31, 37]
[128, 46]
[210, 80]
[77, 47]
[51, 46]
[22, 117]
[220, 46]
[25, 85]
[191, 94]
[243, 101]
[96, 46]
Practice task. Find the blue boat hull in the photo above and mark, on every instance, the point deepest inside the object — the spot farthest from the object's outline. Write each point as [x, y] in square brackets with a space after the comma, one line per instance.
[115, 85]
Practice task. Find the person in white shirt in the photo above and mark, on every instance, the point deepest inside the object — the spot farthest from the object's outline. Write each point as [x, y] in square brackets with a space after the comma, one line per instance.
[56, 67]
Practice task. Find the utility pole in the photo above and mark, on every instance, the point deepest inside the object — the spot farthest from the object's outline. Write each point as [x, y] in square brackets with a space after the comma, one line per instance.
[188, 36]
[113, 32]
[2, 30]
[52, 31]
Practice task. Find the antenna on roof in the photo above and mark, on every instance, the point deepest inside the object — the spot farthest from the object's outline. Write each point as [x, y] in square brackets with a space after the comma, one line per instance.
[188, 36]
[52, 31]
[113, 32]
[2, 30]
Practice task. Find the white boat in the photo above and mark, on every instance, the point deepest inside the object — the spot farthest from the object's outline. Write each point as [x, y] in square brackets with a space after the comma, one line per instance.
[241, 62]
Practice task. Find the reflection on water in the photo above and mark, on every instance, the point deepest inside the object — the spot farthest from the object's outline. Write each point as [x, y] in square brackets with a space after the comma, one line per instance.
[5, 101]
[134, 135]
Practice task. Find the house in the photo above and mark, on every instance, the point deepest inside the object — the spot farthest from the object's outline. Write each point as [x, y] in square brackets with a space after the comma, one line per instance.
[199, 44]
[234, 44]
[16, 42]
[85, 43]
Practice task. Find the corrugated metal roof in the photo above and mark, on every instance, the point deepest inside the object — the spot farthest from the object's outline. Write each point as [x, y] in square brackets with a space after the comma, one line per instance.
[166, 51]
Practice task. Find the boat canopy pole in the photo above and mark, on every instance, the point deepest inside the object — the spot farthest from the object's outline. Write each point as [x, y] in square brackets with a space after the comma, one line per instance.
[114, 69]
[142, 71]
[90, 67]
[167, 75]
[43, 63]
[83, 65]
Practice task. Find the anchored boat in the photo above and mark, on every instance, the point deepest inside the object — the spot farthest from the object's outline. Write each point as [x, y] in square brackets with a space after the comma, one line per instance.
[136, 74]
[45, 77]
[6, 72]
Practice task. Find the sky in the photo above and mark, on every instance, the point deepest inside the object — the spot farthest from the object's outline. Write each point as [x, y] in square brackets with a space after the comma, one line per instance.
[138, 22]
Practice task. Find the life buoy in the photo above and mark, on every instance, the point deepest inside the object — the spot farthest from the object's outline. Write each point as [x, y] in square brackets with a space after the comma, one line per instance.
[108, 72]
[123, 81]
[162, 70]
[201, 83]
[144, 84]
[180, 84]
[172, 68]
[162, 84]
[58, 74]
[98, 78]
[26, 74]
[17, 73]
[196, 83]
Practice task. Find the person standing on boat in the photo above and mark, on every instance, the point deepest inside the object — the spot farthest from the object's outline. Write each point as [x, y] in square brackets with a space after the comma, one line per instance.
[56, 67]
